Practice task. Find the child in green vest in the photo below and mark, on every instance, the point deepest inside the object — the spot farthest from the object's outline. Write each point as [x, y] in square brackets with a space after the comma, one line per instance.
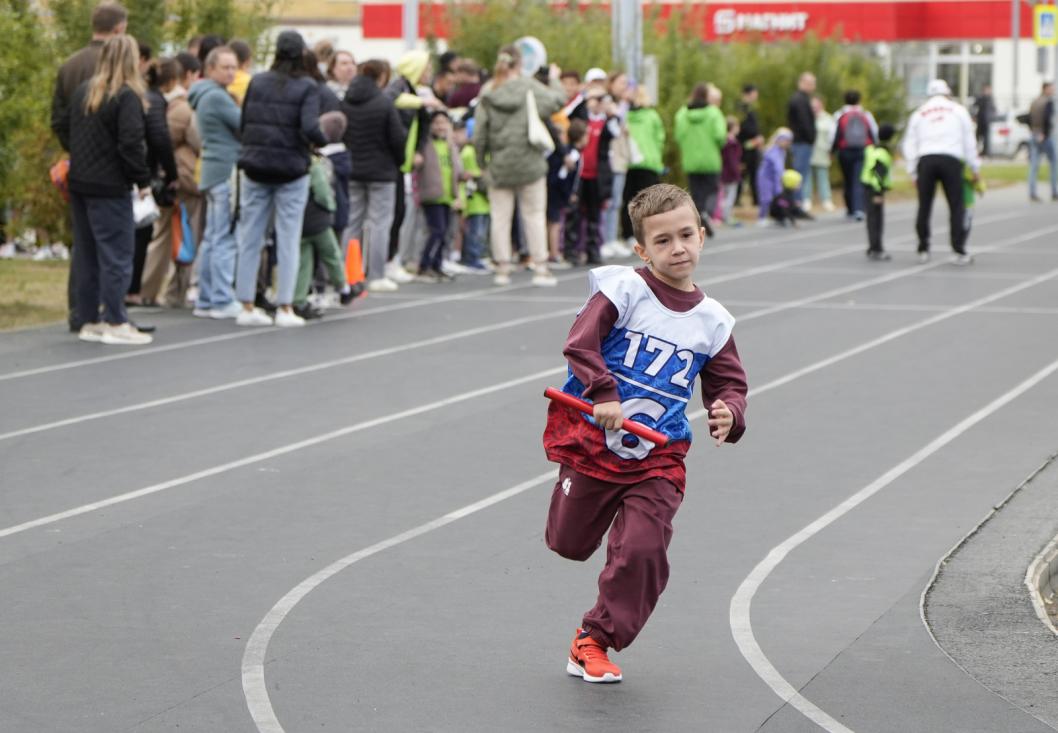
[877, 179]
[972, 187]
[475, 205]
[439, 178]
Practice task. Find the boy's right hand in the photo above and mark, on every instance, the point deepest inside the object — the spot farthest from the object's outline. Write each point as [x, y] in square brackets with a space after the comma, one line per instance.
[608, 415]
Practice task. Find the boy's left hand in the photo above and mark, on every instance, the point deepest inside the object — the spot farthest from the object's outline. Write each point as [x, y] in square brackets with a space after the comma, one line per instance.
[720, 421]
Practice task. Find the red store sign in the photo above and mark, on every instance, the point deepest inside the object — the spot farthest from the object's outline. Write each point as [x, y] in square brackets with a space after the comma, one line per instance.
[904, 20]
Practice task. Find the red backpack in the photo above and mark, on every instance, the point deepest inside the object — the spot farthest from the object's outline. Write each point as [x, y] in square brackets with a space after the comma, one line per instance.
[855, 131]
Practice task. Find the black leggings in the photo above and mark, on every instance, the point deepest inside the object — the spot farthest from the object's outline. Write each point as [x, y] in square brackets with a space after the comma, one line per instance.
[948, 170]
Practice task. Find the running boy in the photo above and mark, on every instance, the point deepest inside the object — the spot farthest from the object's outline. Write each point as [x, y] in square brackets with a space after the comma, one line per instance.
[635, 350]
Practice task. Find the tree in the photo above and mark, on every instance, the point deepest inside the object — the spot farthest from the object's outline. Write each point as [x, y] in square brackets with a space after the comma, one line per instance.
[578, 37]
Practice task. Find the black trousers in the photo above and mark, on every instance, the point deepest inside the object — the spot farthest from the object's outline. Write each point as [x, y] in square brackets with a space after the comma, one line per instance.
[437, 218]
[635, 181]
[751, 161]
[400, 207]
[582, 228]
[102, 256]
[947, 170]
[139, 257]
[875, 221]
[704, 189]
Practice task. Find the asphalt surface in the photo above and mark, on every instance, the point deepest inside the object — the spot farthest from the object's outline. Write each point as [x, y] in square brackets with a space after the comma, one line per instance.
[170, 517]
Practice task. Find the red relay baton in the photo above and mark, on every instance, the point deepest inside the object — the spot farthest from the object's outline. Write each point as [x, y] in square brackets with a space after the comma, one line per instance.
[637, 429]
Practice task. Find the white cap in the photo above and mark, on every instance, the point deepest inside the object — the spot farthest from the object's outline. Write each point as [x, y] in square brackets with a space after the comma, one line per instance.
[594, 74]
[938, 87]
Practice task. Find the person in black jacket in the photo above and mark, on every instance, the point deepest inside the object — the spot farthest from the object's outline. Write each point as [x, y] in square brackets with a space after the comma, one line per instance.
[802, 122]
[160, 162]
[280, 120]
[375, 139]
[750, 138]
[105, 130]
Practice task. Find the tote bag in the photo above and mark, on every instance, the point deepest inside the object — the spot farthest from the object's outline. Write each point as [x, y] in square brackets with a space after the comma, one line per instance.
[539, 137]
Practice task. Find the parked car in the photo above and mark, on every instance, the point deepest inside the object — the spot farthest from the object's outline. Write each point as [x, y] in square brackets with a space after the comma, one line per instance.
[1007, 136]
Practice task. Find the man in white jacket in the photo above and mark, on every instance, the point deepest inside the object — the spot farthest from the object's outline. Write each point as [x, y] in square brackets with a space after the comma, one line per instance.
[938, 144]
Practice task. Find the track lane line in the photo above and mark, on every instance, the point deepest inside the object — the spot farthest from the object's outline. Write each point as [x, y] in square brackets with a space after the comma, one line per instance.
[230, 336]
[255, 655]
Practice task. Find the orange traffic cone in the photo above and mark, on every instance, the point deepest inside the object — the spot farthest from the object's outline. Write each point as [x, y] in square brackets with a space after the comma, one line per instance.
[354, 263]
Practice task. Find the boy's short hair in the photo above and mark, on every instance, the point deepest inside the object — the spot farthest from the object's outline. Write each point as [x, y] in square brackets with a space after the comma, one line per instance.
[732, 122]
[578, 128]
[242, 51]
[657, 199]
[886, 132]
[570, 74]
[852, 96]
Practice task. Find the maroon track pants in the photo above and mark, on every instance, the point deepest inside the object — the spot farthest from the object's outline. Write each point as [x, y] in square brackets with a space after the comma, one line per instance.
[637, 568]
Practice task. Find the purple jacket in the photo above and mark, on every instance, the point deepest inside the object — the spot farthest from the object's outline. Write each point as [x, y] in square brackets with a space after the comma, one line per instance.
[769, 177]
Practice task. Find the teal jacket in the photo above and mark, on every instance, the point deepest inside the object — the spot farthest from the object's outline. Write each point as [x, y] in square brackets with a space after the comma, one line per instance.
[646, 138]
[700, 134]
[217, 118]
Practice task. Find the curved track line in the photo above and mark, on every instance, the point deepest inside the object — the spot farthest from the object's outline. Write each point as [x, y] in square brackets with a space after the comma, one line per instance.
[253, 679]
[739, 614]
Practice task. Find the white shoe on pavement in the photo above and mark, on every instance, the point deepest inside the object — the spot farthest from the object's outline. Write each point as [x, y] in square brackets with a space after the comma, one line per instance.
[542, 278]
[608, 250]
[124, 334]
[202, 312]
[92, 332]
[962, 260]
[397, 274]
[923, 258]
[255, 317]
[288, 319]
[231, 310]
[502, 277]
[384, 285]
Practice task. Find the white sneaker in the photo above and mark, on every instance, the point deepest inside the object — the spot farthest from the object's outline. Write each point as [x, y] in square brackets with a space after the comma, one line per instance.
[923, 258]
[622, 250]
[202, 312]
[501, 278]
[60, 251]
[396, 273]
[231, 310]
[763, 223]
[542, 278]
[828, 206]
[384, 285]
[608, 250]
[255, 317]
[191, 297]
[124, 334]
[962, 260]
[91, 332]
[288, 319]
[807, 206]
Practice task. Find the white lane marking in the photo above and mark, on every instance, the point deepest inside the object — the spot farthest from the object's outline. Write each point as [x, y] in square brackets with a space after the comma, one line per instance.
[906, 272]
[739, 612]
[216, 389]
[857, 306]
[290, 448]
[253, 659]
[272, 376]
[344, 431]
[254, 687]
[388, 309]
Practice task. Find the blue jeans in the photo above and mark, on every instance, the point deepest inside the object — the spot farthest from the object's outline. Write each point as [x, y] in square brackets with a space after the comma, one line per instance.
[818, 179]
[437, 217]
[216, 260]
[802, 163]
[476, 240]
[1036, 149]
[256, 205]
[851, 161]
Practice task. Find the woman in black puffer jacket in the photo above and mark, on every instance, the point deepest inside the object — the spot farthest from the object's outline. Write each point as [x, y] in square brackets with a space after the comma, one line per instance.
[107, 158]
[280, 124]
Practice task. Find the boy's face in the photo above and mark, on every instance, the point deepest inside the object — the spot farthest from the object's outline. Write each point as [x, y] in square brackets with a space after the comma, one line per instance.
[460, 136]
[440, 126]
[571, 86]
[672, 243]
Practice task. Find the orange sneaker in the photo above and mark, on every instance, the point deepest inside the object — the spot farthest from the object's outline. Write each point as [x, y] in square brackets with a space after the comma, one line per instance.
[587, 659]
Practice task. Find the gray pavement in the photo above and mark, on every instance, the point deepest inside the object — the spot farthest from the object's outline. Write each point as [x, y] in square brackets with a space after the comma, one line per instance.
[156, 505]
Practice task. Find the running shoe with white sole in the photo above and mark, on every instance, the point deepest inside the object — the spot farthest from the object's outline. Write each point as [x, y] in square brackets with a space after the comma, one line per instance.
[231, 310]
[254, 317]
[92, 332]
[383, 285]
[288, 319]
[588, 660]
[124, 334]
